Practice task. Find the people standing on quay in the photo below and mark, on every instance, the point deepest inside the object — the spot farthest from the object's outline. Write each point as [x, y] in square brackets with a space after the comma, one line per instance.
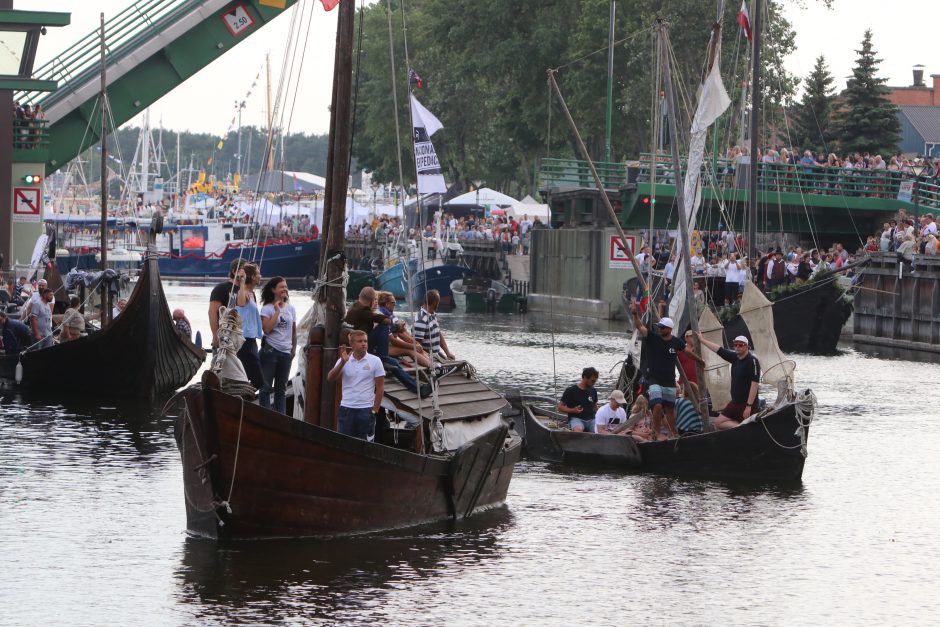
[363, 377]
[279, 321]
[579, 402]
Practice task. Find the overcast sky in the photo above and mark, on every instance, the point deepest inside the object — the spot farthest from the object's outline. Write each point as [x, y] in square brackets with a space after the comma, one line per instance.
[902, 37]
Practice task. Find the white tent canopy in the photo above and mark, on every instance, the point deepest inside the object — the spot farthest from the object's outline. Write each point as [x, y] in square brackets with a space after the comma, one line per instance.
[531, 207]
[483, 197]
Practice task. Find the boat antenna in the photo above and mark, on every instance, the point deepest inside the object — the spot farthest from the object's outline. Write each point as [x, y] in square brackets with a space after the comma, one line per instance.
[752, 251]
[105, 305]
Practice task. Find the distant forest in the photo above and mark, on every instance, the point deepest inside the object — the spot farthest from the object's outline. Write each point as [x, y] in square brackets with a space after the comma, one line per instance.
[303, 153]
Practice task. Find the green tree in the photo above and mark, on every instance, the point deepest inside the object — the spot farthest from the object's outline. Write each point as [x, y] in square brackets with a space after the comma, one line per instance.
[868, 122]
[812, 118]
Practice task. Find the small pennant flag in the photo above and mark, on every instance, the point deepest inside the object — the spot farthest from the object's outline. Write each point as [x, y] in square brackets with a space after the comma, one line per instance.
[329, 5]
[745, 20]
[414, 79]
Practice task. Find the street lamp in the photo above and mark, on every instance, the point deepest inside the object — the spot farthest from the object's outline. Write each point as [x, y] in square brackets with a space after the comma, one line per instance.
[918, 169]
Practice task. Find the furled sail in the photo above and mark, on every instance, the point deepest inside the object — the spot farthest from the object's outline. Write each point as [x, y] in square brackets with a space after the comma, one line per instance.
[717, 370]
[758, 315]
[712, 103]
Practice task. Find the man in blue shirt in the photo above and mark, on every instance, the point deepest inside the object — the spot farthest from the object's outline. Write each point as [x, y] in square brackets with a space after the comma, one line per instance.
[13, 334]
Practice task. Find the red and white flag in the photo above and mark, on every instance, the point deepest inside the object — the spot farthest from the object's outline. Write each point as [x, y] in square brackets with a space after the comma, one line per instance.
[745, 20]
[329, 5]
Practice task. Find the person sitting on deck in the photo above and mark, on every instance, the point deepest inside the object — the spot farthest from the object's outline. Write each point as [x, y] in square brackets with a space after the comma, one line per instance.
[427, 329]
[661, 374]
[688, 419]
[579, 402]
[14, 335]
[612, 414]
[363, 315]
[745, 379]
[400, 342]
[363, 377]
[72, 322]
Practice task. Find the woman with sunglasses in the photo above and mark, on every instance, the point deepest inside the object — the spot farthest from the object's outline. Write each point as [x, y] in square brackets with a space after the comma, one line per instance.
[745, 378]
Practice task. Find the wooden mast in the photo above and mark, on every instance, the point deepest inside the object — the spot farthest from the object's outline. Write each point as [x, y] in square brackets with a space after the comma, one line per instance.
[105, 305]
[752, 251]
[333, 262]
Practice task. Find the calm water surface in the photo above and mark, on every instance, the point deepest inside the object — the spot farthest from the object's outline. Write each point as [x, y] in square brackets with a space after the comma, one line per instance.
[92, 518]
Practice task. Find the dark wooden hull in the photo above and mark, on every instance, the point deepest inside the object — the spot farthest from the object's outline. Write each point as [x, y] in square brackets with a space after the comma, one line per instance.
[138, 355]
[582, 449]
[285, 478]
[769, 449]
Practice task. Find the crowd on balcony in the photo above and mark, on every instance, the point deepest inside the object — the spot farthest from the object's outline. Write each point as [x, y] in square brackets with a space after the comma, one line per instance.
[907, 236]
[854, 174]
[28, 121]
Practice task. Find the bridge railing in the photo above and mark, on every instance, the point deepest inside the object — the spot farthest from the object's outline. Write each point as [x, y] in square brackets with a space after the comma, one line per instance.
[28, 136]
[576, 173]
[123, 33]
[797, 179]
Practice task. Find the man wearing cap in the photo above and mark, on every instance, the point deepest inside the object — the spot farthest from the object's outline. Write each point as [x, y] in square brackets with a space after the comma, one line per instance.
[662, 349]
[611, 415]
[745, 377]
[35, 300]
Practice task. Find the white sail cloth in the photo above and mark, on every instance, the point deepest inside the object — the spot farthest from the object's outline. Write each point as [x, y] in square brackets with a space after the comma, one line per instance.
[712, 103]
[717, 370]
[758, 315]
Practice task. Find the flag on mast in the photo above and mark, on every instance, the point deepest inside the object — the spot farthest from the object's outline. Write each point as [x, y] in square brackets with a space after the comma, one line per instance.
[744, 19]
[430, 177]
[329, 5]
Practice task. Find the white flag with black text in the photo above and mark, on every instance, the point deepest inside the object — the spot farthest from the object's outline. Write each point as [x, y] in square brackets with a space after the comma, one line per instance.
[430, 178]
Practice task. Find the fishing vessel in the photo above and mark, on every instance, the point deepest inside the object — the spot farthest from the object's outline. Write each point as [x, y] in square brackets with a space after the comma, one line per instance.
[250, 472]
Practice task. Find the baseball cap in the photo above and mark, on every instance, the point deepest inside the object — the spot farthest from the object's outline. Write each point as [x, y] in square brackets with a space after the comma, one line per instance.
[617, 395]
[666, 322]
[742, 340]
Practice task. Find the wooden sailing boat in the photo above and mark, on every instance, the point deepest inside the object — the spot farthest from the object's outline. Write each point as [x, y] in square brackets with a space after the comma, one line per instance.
[769, 446]
[140, 354]
[250, 472]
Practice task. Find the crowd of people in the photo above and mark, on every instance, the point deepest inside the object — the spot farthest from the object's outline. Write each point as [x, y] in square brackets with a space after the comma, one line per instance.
[28, 121]
[858, 173]
[907, 236]
[514, 233]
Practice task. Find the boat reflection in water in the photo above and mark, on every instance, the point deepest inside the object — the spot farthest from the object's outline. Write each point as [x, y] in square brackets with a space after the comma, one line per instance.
[250, 580]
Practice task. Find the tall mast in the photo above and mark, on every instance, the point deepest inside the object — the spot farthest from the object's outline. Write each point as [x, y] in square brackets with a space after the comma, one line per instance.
[755, 131]
[610, 81]
[270, 155]
[105, 310]
[333, 262]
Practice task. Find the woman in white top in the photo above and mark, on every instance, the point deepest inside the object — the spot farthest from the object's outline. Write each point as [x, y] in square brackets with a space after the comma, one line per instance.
[279, 321]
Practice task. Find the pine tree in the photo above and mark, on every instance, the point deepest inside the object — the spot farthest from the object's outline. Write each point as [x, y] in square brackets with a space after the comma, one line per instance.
[813, 116]
[868, 122]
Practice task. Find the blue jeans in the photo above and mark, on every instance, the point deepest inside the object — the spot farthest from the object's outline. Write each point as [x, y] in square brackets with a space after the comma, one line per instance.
[357, 422]
[378, 346]
[275, 365]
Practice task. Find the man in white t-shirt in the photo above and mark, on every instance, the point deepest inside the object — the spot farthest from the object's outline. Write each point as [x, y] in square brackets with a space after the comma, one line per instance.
[611, 415]
[363, 385]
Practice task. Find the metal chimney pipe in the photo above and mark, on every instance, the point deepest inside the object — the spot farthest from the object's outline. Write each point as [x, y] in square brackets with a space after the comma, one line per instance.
[918, 76]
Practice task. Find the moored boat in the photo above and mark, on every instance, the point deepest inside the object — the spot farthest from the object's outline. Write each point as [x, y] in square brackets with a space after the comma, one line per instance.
[439, 278]
[139, 354]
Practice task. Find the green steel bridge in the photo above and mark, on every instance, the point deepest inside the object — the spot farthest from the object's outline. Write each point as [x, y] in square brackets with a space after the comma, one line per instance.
[830, 202]
[151, 47]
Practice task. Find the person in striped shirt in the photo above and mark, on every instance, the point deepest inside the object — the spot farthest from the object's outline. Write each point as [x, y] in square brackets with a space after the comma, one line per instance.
[426, 329]
[688, 420]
